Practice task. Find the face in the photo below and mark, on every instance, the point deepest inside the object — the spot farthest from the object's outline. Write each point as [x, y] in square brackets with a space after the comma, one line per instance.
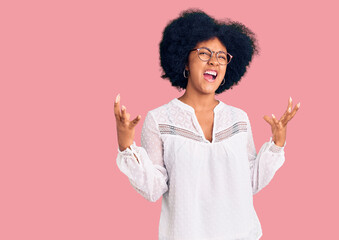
[200, 78]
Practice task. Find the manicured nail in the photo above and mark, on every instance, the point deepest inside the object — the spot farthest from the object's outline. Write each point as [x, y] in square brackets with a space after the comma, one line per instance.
[298, 105]
[289, 109]
[273, 115]
[290, 99]
[123, 108]
[117, 99]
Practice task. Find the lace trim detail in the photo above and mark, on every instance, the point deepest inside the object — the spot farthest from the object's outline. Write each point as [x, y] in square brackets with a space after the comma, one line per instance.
[229, 132]
[169, 129]
[220, 136]
[276, 149]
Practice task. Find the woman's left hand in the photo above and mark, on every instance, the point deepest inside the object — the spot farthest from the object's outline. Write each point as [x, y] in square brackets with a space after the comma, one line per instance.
[279, 127]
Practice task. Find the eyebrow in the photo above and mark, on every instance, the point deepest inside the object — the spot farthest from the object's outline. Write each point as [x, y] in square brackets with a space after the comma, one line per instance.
[214, 51]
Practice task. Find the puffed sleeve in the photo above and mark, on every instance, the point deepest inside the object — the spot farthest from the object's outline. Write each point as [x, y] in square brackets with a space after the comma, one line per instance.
[144, 166]
[264, 164]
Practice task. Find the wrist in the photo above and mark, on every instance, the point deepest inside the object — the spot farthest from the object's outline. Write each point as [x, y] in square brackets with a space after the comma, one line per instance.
[280, 144]
[123, 147]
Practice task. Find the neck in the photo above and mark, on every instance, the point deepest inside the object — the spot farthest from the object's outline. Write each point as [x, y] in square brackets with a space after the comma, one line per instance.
[200, 103]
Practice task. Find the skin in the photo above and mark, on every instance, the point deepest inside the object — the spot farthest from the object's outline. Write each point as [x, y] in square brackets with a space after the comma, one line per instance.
[279, 127]
[200, 94]
[125, 127]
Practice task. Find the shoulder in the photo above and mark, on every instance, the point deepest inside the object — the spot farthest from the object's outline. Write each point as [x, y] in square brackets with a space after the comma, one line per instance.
[235, 112]
[163, 108]
[159, 114]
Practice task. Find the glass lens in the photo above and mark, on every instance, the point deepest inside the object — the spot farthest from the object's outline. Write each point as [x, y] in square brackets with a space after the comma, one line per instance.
[222, 58]
[204, 54]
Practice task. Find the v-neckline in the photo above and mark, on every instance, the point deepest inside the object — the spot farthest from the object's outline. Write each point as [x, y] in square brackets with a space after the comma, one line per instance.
[191, 109]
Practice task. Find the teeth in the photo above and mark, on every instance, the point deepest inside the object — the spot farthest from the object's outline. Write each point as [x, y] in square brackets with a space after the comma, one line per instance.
[211, 73]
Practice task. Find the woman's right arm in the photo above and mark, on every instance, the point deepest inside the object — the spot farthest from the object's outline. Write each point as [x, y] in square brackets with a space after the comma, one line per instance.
[144, 165]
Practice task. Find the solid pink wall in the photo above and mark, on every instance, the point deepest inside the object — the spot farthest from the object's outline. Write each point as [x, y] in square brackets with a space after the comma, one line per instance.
[63, 62]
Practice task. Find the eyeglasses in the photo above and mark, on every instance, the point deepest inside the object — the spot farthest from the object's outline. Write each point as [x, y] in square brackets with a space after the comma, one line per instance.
[205, 54]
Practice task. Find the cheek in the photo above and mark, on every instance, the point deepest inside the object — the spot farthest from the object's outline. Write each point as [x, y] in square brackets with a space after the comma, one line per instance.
[194, 73]
[196, 68]
[223, 72]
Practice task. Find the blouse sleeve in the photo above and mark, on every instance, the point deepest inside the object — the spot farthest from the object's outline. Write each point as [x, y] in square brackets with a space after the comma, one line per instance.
[264, 164]
[144, 166]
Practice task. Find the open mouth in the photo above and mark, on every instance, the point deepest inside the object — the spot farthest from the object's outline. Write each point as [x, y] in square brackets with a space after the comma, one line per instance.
[210, 75]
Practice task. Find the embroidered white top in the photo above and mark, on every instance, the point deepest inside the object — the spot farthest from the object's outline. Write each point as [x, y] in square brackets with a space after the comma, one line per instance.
[207, 187]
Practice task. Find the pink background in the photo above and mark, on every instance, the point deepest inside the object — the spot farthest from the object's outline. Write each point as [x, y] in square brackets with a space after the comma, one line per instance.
[63, 62]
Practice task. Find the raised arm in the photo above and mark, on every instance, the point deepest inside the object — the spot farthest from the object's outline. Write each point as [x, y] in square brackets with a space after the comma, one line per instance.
[264, 164]
[144, 165]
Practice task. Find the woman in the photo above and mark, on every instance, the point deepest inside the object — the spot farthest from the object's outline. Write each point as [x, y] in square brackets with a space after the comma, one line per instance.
[198, 152]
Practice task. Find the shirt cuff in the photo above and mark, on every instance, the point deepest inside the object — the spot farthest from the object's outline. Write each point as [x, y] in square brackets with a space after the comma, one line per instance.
[275, 148]
[130, 151]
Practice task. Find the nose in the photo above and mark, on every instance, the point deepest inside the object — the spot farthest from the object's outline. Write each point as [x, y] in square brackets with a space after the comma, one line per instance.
[213, 60]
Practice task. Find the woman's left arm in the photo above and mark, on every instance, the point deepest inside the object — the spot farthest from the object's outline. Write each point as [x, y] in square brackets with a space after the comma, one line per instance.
[271, 155]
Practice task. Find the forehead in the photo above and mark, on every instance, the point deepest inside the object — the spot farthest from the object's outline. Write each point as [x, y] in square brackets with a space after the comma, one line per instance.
[214, 44]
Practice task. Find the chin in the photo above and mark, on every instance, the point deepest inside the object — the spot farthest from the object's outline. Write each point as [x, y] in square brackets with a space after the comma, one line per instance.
[205, 87]
[209, 89]
[212, 85]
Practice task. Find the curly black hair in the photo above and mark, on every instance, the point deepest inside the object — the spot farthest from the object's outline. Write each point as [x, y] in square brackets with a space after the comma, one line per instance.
[193, 26]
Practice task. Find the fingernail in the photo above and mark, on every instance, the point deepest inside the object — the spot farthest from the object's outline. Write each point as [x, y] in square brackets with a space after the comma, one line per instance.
[123, 108]
[290, 99]
[289, 109]
[273, 115]
[298, 105]
[117, 99]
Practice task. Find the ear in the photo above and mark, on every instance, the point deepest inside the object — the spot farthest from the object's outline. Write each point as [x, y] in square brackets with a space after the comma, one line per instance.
[186, 67]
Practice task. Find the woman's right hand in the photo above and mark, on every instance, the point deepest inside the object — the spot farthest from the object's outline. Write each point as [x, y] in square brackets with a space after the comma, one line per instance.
[125, 127]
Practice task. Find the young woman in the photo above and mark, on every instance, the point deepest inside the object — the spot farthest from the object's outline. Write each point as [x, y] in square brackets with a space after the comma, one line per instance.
[196, 151]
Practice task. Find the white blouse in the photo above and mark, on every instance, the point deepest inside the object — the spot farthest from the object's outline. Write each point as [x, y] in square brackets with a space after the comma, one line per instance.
[207, 187]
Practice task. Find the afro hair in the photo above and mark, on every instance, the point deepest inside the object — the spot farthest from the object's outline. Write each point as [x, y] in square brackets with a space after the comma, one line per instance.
[194, 26]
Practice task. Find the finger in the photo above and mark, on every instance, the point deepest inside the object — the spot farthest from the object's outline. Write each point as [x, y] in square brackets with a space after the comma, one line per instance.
[117, 113]
[280, 124]
[290, 104]
[135, 121]
[128, 116]
[123, 114]
[277, 122]
[284, 118]
[269, 120]
[296, 108]
[275, 119]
